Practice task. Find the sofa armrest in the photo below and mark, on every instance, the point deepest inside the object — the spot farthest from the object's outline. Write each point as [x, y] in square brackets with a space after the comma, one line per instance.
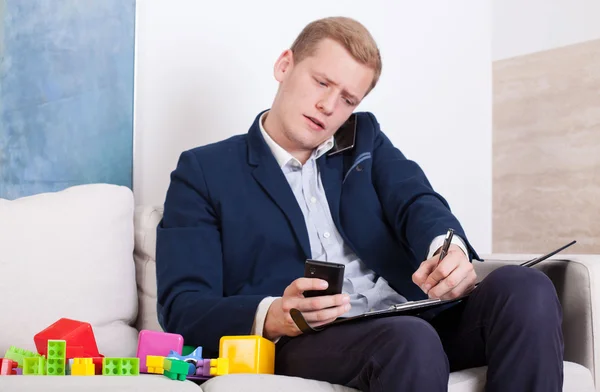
[577, 282]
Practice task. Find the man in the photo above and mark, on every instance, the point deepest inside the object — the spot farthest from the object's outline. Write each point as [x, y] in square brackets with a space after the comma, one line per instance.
[242, 216]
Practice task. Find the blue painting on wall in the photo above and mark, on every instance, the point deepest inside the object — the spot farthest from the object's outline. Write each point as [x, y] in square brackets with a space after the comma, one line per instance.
[66, 94]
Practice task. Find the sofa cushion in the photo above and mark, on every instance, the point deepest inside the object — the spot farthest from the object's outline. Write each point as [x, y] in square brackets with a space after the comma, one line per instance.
[69, 254]
[146, 383]
[577, 379]
[146, 221]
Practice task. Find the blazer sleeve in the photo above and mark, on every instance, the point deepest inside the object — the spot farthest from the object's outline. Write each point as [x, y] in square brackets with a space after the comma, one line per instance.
[189, 265]
[416, 212]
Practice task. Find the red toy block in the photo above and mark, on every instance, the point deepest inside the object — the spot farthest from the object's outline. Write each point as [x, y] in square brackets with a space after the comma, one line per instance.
[97, 365]
[79, 336]
[8, 367]
[75, 352]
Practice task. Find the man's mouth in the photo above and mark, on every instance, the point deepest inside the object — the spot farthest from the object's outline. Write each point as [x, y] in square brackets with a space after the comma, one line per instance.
[316, 122]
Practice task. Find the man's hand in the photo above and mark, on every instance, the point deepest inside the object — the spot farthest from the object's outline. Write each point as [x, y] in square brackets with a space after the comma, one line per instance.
[449, 279]
[316, 310]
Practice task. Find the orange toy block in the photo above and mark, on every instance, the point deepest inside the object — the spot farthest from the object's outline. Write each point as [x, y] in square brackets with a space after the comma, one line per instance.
[219, 366]
[248, 354]
[155, 364]
[83, 367]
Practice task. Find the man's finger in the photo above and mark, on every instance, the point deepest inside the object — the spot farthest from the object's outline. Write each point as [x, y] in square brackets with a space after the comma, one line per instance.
[442, 271]
[426, 268]
[300, 285]
[322, 302]
[325, 315]
[463, 288]
[453, 280]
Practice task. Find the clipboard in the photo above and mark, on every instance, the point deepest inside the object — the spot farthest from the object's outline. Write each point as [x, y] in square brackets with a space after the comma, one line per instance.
[407, 308]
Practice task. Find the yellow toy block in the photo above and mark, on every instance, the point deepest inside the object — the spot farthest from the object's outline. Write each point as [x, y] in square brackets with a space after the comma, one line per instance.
[83, 367]
[219, 366]
[155, 364]
[248, 354]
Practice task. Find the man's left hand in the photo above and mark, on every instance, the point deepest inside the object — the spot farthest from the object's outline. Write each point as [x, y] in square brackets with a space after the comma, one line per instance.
[451, 278]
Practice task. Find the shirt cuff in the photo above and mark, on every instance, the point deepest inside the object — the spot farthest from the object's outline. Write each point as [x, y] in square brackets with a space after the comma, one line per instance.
[439, 241]
[261, 315]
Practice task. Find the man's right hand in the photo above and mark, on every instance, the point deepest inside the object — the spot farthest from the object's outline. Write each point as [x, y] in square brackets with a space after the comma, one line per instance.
[316, 310]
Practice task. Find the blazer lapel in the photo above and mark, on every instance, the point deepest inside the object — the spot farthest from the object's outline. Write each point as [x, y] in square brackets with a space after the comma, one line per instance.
[270, 177]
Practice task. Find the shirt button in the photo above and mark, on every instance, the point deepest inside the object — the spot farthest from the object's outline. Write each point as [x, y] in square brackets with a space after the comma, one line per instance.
[313, 200]
[326, 234]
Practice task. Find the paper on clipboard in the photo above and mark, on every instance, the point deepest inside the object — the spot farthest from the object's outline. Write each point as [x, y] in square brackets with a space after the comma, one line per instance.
[406, 308]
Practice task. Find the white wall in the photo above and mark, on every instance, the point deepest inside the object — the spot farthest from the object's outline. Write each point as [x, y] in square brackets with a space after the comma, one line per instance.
[204, 70]
[523, 27]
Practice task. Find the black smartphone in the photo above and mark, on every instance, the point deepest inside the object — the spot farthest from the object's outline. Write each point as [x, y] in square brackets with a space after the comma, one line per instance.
[333, 273]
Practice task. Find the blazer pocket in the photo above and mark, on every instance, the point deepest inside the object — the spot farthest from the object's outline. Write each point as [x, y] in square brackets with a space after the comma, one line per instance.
[356, 165]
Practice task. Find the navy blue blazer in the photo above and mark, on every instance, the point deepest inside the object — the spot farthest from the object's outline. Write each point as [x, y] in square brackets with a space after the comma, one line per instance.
[232, 232]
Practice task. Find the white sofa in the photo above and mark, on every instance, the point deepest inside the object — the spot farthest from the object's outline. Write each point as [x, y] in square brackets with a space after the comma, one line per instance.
[88, 254]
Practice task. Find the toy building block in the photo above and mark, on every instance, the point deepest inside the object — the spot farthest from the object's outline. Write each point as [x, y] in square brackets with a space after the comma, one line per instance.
[193, 357]
[18, 354]
[219, 366]
[97, 365]
[158, 344]
[35, 366]
[82, 367]
[8, 367]
[203, 368]
[78, 335]
[176, 369]
[155, 364]
[187, 350]
[248, 354]
[55, 364]
[120, 366]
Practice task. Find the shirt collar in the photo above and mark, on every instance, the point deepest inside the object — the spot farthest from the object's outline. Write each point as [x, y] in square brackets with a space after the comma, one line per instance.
[282, 156]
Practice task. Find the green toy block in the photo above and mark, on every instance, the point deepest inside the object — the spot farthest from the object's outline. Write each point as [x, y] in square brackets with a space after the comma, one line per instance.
[57, 349]
[175, 376]
[187, 350]
[35, 366]
[55, 367]
[176, 369]
[120, 366]
[55, 364]
[18, 355]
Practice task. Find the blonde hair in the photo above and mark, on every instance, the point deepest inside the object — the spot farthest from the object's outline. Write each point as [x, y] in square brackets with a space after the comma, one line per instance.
[349, 33]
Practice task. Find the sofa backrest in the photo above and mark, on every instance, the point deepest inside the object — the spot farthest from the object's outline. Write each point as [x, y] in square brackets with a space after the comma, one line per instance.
[146, 221]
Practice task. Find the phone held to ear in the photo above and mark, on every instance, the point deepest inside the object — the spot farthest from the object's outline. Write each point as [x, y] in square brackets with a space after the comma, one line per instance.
[333, 273]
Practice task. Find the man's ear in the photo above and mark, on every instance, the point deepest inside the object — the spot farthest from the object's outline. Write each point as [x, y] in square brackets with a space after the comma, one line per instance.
[284, 65]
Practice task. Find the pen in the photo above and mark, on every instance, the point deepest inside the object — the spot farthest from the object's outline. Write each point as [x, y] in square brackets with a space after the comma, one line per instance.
[447, 242]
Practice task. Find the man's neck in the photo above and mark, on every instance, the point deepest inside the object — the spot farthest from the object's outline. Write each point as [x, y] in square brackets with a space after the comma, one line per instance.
[273, 127]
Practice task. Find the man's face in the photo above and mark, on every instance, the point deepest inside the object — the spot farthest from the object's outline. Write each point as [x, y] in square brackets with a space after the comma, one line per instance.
[318, 94]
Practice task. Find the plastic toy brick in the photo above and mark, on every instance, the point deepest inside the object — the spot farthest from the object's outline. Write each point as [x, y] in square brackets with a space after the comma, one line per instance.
[97, 365]
[187, 350]
[34, 366]
[219, 366]
[155, 364]
[18, 354]
[203, 368]
[248, 354]
[120, 366]
[8, 367]
[176, 369]
[78, 335]
[157, 343]
[56, 360]
[193, 357]
[82, 367]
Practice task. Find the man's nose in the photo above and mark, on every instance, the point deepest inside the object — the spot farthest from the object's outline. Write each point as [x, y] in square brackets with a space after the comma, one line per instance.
[327, 103]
